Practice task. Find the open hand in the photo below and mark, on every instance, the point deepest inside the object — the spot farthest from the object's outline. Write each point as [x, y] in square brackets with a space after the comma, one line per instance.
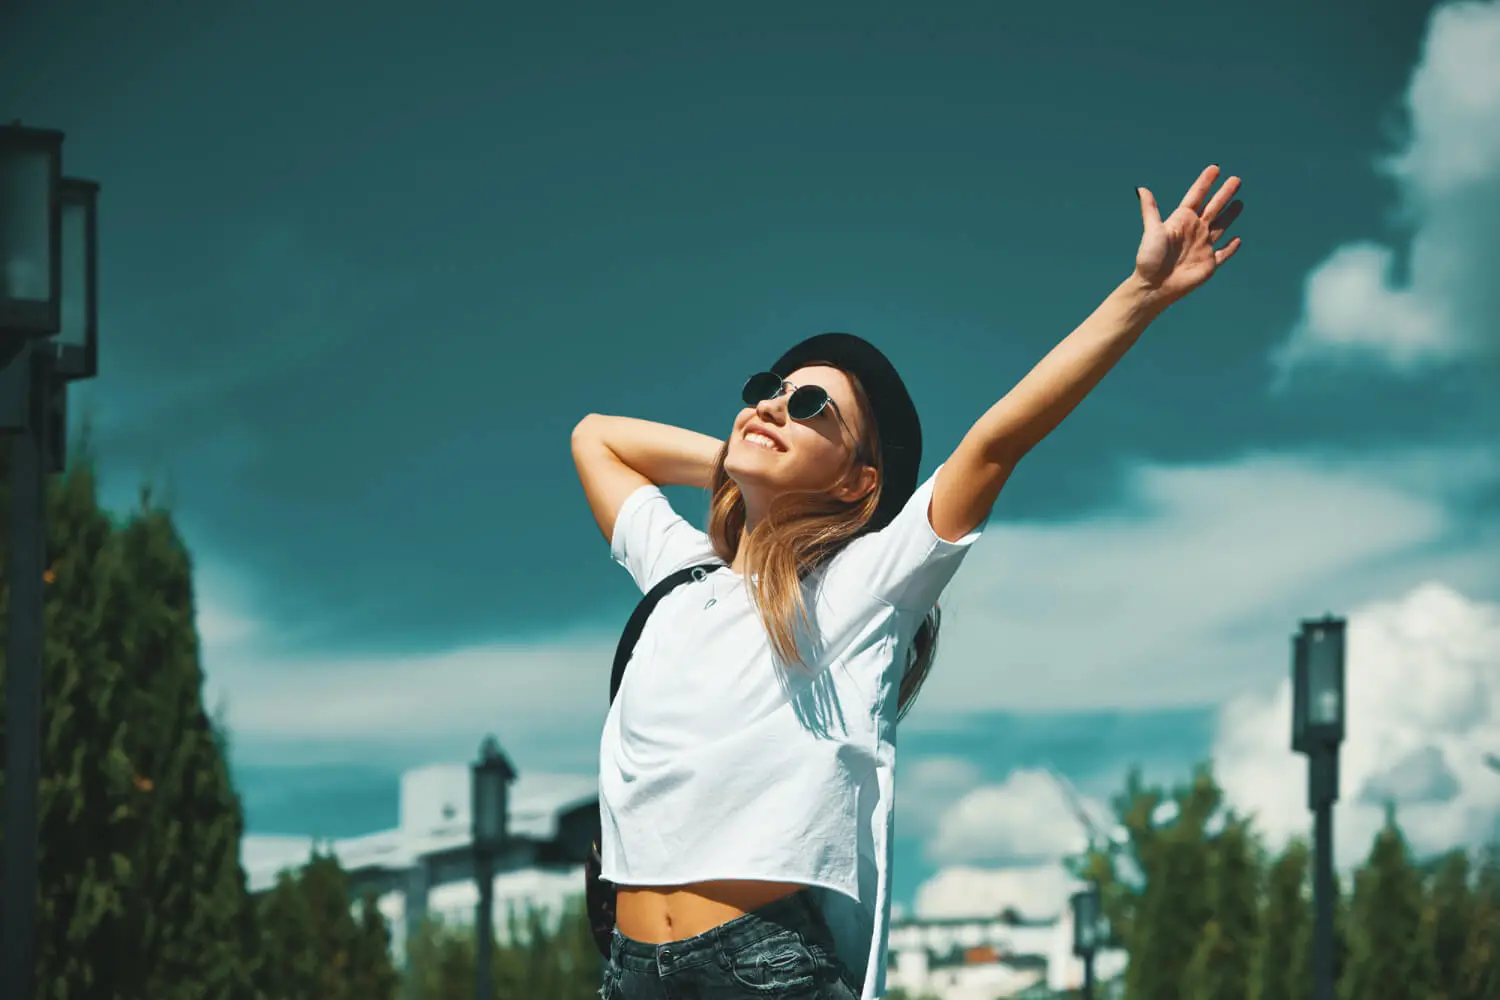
[1179, 253]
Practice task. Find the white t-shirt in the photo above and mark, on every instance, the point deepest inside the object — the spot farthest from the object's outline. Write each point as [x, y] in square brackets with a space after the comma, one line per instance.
[717, 762]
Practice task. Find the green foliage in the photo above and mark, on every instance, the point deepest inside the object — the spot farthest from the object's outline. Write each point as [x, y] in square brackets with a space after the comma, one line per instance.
[1205, 914]
[1282, 970]
[1479, 968]
[1223, 963]
[315, 946]
[537, 955]
[1157, 896]
[1446, 918]
[1386, 957]
[141, 891]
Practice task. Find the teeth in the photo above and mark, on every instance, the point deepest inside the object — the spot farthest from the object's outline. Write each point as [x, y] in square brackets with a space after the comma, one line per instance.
[760, 439]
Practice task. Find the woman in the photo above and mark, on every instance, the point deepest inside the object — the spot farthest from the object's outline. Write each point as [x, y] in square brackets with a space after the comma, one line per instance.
[746, 766]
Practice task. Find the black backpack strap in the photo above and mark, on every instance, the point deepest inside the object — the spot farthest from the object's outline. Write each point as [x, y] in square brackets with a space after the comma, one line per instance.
[643, 610]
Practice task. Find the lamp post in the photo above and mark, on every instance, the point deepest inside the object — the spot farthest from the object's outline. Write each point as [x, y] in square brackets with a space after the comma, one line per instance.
[1317, 732]
[47, 286]
[491, 777]
[1089, 933]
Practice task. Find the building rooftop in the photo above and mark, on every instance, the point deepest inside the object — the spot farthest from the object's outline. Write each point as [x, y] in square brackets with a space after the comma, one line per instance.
[434, 817]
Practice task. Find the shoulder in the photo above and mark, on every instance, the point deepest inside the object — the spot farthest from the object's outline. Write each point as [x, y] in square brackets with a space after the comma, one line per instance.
[652, 540]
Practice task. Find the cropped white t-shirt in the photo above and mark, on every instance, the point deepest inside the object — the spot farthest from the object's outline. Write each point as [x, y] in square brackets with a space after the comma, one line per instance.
[717, 762]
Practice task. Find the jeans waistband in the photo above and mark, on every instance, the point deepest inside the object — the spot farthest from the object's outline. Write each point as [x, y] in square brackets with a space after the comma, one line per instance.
[798, 913]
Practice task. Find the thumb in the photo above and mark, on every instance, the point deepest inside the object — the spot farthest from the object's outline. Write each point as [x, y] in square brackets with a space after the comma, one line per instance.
[1150, 215]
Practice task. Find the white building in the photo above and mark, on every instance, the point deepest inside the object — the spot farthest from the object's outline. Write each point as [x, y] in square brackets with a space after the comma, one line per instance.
[983, 958]
[425, 867]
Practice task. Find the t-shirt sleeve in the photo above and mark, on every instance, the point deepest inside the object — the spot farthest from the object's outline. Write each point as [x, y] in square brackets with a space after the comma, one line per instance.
[906, 564]
[652, 540]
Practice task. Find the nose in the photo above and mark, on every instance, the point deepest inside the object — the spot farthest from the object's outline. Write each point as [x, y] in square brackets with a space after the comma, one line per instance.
[772, 410]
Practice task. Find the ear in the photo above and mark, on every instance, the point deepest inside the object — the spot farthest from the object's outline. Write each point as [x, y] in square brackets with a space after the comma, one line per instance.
[858, 484]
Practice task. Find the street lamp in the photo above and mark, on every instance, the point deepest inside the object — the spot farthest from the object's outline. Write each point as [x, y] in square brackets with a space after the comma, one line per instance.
[1089, 932]
[491, 777]
[1318, 731]
[30, 247]
[76, 354]
[33, 277]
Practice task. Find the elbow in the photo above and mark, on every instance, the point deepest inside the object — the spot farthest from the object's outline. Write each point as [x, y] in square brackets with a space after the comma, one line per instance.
[586, 429]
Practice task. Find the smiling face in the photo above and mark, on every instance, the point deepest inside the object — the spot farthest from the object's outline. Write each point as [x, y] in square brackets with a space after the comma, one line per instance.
[771, 454]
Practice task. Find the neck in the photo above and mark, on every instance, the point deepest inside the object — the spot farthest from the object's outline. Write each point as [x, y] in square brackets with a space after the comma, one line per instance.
[741, 552]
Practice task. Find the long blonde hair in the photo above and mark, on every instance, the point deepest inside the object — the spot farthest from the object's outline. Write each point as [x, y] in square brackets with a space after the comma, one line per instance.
[800, 533]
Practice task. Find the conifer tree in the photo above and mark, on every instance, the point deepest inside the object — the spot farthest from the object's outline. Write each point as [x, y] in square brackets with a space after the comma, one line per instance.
[1286, 920]
[1447, 917]
[1479, 974]
[190, 893]
[1224, 960]
[1386, 959]
[87, 826]
[1172, 906]
[371, 973]
[291, 967]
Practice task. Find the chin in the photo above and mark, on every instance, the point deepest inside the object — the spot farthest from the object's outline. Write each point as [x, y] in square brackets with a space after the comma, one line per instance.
[749, 465]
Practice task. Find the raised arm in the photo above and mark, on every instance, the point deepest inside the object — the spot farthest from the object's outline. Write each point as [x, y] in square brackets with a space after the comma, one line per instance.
[1175, 256]
[615, 456]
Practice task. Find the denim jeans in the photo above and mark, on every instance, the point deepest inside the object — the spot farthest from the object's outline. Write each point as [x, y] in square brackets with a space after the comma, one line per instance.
[782, 950]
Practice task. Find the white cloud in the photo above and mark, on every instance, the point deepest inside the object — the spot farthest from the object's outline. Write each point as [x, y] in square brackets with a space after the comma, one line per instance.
[1448, 177]
[1035, 891]
[1185, 596]
[1423, 715]
[1423, 711]
[1024, 819]
[340, 708]
[929, 787]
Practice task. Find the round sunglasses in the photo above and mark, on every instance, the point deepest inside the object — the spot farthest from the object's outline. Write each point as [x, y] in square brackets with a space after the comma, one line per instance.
[804, 403]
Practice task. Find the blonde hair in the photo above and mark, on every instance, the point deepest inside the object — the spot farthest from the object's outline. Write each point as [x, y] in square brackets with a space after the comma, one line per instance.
[801, 532]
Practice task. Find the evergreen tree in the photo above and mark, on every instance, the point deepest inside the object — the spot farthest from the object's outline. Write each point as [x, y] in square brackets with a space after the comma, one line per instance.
[1479, 970]
[371, 974]
[291, 967]
[1302, 957]
[1165, 920]
[87, 826]
[190, 895]
[1386, 958]
[1224, 961]
[325, 889]
[1447, 917]
[441, 963]
[1286, 922]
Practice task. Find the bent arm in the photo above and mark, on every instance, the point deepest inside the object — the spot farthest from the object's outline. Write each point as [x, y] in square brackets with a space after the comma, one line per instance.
[971, 480]
[615, 456]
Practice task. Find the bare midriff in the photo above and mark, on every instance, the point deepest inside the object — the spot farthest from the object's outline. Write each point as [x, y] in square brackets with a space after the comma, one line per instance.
[663, 914]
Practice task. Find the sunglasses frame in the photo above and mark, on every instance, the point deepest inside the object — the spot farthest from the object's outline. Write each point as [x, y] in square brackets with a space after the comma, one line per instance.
[827, 402]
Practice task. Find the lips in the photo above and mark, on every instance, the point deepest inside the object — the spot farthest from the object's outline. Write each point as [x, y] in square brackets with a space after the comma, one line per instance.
[760, 430]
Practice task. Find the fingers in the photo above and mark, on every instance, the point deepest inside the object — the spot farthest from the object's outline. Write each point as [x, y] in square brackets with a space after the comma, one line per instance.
[1220, 256]
[1195, 194]
[1150, 214]
[1218, 226]
[1220, 199]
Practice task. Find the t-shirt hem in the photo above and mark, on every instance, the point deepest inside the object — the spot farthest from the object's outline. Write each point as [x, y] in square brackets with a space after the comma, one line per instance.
[679, 879]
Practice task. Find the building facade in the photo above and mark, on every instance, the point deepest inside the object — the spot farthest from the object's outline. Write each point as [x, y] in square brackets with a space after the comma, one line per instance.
[425, 866]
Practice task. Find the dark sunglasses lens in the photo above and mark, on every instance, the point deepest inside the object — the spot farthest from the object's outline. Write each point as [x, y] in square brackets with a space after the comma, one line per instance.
[761, 387]
[807, 402]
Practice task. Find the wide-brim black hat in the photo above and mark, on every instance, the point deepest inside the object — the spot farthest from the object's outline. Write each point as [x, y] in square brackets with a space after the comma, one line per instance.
[895, 414]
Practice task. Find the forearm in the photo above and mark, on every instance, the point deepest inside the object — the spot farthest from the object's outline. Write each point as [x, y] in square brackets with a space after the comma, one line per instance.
[666, 455]
[1069, 372]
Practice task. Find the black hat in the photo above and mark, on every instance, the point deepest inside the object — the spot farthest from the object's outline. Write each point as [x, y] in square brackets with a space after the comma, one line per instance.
[895, 413]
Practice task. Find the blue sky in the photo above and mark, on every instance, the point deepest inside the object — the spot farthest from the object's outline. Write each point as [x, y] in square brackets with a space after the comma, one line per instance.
[365, 265]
